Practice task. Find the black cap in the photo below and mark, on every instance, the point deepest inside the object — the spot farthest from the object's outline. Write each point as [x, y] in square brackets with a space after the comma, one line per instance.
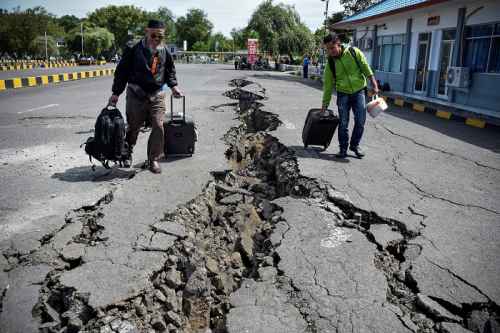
[156, 24]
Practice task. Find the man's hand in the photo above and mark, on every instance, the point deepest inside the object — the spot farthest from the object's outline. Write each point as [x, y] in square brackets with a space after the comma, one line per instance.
[375, 90]
[176, 92]
[113, 100]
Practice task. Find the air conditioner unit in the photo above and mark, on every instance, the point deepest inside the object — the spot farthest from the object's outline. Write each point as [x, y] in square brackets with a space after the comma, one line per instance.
[458, 77]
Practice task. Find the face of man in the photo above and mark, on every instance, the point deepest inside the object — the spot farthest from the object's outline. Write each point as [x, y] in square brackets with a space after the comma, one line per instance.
[155, 37]
[334, 48]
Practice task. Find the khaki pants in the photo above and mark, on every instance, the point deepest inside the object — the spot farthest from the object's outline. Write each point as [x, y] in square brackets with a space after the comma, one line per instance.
[137, 110]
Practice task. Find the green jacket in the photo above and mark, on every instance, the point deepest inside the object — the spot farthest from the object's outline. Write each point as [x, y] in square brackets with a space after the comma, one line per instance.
[349, 78]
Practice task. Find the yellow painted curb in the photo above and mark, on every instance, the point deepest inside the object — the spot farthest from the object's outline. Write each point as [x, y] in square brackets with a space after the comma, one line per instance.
[418, 107]
[75, 75]
[399, 102]
[443, 114]
[90, 74]
[2, 84]
[475, 122]
[17, 83]
[31, 81]
[65, 77]
[45, 79]
[55, 78]
[83, 75]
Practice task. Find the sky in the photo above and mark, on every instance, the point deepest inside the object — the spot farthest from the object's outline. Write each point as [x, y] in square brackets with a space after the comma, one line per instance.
[224, 14]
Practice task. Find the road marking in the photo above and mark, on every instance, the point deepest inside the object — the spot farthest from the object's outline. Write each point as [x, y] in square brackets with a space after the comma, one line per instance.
[39, 108]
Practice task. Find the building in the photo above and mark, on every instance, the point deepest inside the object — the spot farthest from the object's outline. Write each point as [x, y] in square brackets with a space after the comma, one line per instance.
[445, 52]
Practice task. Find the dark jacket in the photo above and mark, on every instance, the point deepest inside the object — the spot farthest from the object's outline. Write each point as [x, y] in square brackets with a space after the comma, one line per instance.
[135, 67]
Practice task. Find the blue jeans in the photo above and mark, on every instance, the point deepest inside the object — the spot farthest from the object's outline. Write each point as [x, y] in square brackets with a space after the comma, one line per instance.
[345, 102]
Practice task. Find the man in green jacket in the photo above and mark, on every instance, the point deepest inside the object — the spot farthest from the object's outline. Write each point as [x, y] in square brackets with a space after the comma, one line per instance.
[349, 76]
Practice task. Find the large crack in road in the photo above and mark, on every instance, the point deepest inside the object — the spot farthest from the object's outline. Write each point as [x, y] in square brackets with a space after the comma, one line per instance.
[227, 242]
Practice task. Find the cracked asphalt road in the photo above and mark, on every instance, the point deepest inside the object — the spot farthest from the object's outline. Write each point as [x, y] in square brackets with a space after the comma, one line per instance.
[432, 186]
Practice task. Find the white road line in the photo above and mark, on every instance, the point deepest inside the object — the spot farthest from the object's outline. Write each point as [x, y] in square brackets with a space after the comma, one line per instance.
[39, 108]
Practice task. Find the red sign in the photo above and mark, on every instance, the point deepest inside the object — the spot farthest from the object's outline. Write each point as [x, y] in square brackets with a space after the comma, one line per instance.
[252, 45]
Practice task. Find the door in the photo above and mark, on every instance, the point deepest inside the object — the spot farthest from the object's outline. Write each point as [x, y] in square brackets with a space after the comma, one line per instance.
[445, 59]
[444, 63]
[424, 40]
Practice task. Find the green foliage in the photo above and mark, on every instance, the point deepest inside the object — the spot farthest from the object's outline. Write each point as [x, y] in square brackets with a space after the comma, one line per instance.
[219, 43]
[280, 29]
[194, 27]
[96, 40]
[240, 37]
[18, 29]
[119, 20]
[200, 47]
[354, 6]
[38, 47]
[68, 22]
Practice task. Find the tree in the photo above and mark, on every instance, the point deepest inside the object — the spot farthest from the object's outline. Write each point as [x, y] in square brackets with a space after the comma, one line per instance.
[68, 22]
[38, 47]
[280, 29]
[97, 41]
[194, 27]
[354, 6]
[119, 20]
[240, 37]
[19, 29]
[219, 43]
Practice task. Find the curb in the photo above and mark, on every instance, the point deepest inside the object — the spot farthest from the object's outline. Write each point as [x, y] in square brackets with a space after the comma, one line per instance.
[17, 67]
[43, 80]
[468, 118]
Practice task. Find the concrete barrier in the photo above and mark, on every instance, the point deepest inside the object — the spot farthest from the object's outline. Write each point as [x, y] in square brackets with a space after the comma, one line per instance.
[45, 80]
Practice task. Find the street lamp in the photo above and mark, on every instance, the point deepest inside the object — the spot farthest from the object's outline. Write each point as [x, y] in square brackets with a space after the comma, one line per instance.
[326, 14]
[322, 53]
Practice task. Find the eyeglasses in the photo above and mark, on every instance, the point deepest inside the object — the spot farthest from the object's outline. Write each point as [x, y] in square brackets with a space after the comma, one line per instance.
[157, 36]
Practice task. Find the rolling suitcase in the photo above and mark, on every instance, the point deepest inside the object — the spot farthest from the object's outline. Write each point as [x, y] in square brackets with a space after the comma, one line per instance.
[180, 132]
[319, 128]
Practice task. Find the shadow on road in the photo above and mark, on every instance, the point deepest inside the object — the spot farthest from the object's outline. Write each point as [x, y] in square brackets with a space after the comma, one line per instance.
[85, 174]
[487, 138]
[290, 78]
[318, 153]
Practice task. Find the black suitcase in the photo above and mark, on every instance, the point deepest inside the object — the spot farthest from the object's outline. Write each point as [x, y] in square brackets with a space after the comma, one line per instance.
[180, 132]
[319, 128]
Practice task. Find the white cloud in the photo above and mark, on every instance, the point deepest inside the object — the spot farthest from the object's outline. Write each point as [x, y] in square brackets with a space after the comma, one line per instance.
[224, 14]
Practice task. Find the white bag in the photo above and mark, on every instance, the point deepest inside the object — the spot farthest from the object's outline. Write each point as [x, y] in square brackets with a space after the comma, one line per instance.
[376, 106]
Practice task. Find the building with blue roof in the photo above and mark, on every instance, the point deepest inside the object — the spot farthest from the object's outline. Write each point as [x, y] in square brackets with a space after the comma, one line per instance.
[445, 52]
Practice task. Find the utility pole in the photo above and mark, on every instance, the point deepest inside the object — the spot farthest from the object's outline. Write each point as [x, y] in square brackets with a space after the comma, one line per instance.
[81, 32]
[46, 49]
[322, 50]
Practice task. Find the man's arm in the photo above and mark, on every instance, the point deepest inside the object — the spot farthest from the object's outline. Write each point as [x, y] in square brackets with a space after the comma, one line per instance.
[170, 74]
[327, 87]
[366, 69]
[122, 72]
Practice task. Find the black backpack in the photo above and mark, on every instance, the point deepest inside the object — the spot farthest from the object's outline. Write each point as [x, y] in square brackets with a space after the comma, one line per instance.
[108, 143]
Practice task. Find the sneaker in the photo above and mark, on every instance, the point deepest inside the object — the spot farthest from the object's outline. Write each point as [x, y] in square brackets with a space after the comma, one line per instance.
[155, 167]
[341, 154]
[358, 151]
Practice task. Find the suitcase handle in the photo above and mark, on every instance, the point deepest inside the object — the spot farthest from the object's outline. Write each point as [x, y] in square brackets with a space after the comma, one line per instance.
[183, 107]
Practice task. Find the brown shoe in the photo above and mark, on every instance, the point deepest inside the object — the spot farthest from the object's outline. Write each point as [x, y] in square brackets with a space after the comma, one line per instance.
[154, 167]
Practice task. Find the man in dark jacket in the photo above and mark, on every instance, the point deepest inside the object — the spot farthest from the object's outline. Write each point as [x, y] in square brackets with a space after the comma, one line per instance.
[146, 67]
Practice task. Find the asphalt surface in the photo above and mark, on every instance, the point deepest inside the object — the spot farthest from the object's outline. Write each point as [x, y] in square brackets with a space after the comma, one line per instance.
[439, 180]
[4, 75]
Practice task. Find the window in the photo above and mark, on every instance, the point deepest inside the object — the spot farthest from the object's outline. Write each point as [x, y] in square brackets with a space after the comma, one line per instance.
[482, 48]
[390, 53]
